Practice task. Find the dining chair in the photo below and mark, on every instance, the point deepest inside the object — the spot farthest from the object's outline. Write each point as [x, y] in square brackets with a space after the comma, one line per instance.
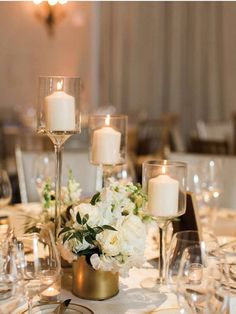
[214, 137]
[75, 160]
[209, 146]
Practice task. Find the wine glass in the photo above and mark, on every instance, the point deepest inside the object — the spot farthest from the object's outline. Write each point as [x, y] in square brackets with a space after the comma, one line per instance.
[200, 283]
[184, 239]
[165, 184]
[38, 262]
[58, 118]
[5, 189]
[207, 184]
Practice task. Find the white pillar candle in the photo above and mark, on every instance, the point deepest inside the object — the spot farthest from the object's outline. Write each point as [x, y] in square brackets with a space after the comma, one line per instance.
[163, 195]
[60, 112]
[106, 145]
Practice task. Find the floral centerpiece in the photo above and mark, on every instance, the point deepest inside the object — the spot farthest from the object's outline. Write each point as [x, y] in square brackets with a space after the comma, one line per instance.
[101, 237]
[109, 229]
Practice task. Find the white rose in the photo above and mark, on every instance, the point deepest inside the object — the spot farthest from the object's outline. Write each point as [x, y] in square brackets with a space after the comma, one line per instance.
[109, 242]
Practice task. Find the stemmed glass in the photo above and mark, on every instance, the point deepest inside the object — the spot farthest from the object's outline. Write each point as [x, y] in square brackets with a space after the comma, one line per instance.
[38, 262]
[108, 137]
[207, 184]
[165, 184]
[5, 189]
[184, 239]
[58, 118]
[200, 282]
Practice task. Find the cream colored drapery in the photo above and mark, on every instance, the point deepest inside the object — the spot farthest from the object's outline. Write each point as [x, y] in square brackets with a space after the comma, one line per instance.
[160, 57]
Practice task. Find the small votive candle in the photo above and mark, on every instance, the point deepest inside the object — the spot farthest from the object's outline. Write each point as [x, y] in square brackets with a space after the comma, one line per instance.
[195, 273]
[52, 293]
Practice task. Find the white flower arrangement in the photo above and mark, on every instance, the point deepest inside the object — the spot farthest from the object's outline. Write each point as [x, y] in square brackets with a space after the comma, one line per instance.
[70, 194]
[110, 230]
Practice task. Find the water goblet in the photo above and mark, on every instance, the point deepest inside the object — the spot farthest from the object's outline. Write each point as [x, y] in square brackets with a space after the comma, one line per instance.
[38, 262]
[165, 184]
[200, 287]
[184, 239]
[207, 184]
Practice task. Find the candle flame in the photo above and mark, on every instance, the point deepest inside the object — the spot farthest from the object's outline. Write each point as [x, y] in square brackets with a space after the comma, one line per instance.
[59, 85]
[107, 120]
[163, 169]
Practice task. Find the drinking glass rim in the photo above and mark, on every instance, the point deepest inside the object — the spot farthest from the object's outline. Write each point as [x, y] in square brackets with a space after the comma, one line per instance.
[188, 232]
[58, 77]
[165, 162]
[110, 115]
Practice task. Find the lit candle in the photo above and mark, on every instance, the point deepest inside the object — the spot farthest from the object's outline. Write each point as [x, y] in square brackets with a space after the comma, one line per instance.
[60, 111]
[195, 273]
[106, 145]
[50, 294]
[163, 195]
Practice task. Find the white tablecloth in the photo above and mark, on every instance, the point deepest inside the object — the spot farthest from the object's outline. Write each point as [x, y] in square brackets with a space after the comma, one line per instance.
[132, 299]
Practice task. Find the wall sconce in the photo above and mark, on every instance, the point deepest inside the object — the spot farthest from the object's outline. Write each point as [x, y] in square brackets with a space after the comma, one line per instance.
[50, 13]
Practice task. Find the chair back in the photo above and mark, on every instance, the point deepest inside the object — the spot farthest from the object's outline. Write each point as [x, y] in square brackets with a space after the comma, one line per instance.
[77, 161]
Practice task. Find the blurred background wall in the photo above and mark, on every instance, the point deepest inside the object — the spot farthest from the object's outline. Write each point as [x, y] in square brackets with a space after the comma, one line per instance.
[144, 58]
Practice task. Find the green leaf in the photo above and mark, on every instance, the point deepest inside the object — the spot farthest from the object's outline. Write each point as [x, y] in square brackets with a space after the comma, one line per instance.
[109, 227]
[95, 198]
[79, 236]
[91, 230]
[98, 230]
[85, 219]
[78, 218]
[88, 252]
[66, 229]
[112, 207]
[67, 236]
[89, 239]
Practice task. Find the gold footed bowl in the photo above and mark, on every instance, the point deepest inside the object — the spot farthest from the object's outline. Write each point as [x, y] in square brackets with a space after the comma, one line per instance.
[91, 284]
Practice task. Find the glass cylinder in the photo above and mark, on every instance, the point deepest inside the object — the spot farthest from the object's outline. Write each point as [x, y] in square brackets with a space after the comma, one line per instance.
[58, 105]
[59, 118]
[108, 139]
[165, 185]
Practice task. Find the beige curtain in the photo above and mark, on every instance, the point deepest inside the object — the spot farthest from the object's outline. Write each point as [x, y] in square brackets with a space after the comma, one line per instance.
[160, 57]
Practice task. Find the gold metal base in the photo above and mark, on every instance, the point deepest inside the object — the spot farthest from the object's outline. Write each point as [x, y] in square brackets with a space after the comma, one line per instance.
[91, 284]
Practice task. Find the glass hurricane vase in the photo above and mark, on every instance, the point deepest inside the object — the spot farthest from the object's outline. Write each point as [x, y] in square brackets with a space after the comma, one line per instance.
[58, 118]
[165, 184]
[108, 148]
